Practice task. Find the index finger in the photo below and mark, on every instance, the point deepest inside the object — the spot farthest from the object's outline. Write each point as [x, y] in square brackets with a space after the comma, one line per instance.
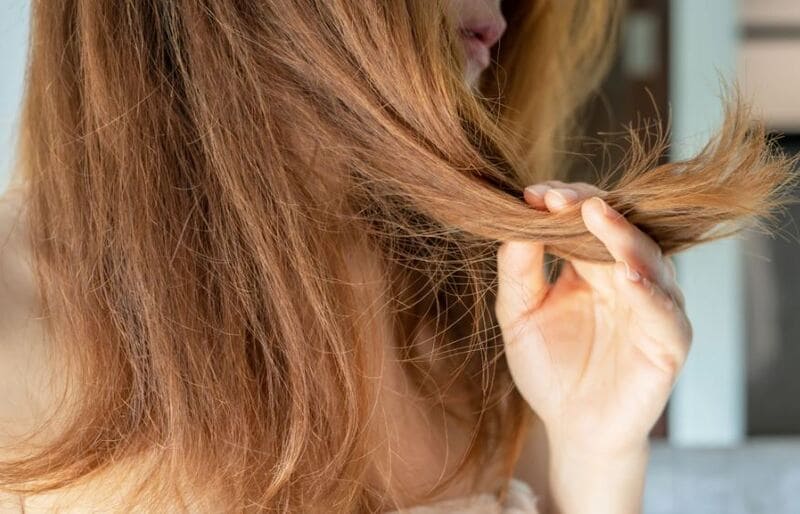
[624, 241]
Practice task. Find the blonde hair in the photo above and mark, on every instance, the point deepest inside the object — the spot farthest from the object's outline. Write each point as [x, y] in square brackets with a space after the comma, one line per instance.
[199, 170]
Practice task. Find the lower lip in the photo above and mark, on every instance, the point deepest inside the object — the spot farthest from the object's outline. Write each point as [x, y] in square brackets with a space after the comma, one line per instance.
[477, 52]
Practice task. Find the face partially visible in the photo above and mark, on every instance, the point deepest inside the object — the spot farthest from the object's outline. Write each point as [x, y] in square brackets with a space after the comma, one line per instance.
[480, 24]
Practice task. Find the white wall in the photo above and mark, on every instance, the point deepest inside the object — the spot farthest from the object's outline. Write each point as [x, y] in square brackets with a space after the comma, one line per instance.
[13, 49]
[708, 405]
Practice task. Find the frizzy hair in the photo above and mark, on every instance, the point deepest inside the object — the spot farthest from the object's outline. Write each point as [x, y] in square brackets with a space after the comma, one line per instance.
[201, 174]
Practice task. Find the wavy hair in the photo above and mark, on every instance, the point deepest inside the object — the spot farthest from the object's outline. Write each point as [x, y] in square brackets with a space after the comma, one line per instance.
[201, 175]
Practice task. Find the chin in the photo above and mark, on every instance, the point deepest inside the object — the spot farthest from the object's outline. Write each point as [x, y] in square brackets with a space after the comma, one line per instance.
[472, 74]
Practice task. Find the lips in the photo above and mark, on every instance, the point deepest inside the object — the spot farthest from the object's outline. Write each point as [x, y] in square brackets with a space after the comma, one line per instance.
[479, 36]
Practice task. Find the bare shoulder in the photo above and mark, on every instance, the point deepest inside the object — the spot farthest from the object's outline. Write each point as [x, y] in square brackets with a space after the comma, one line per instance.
[17, 286]
[22, 345]
[30, 378]
[27, 375]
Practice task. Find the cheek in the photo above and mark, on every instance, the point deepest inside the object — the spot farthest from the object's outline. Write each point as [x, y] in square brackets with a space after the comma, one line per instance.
[458, 11]
[455, 8]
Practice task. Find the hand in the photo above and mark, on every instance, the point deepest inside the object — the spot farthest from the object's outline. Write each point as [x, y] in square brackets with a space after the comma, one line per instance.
[596, 353]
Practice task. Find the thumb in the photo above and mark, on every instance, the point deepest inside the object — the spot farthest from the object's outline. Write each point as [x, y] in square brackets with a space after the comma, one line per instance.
[521, 281]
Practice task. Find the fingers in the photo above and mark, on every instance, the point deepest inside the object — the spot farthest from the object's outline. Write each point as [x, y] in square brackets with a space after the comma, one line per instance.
[643, 277]
[659, 315]
[625, 242]
[555, 195]
[522, 284]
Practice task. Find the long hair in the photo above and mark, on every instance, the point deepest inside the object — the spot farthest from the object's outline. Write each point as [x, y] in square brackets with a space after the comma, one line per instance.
[201, 175]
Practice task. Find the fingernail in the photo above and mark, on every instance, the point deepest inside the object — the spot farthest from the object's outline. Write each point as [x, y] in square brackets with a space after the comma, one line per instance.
[538, 190]
[631, 274]
[608, 212]
[564, 196]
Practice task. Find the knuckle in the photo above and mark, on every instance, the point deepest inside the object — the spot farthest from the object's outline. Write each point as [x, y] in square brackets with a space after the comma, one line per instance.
[512, 328]
[669, 263]
[672, 364]
[674, 359]
[669, 361]
[688, 333]
[680, 299]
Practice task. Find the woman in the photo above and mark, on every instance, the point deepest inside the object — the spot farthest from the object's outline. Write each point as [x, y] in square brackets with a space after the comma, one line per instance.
[274, 256]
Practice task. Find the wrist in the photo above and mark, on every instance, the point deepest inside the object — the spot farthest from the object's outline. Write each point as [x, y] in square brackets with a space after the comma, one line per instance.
[587, 478]
[603, 439]
[596, 450]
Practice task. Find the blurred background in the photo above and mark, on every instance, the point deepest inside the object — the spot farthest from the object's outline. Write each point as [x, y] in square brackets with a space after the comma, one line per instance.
[729, 441]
